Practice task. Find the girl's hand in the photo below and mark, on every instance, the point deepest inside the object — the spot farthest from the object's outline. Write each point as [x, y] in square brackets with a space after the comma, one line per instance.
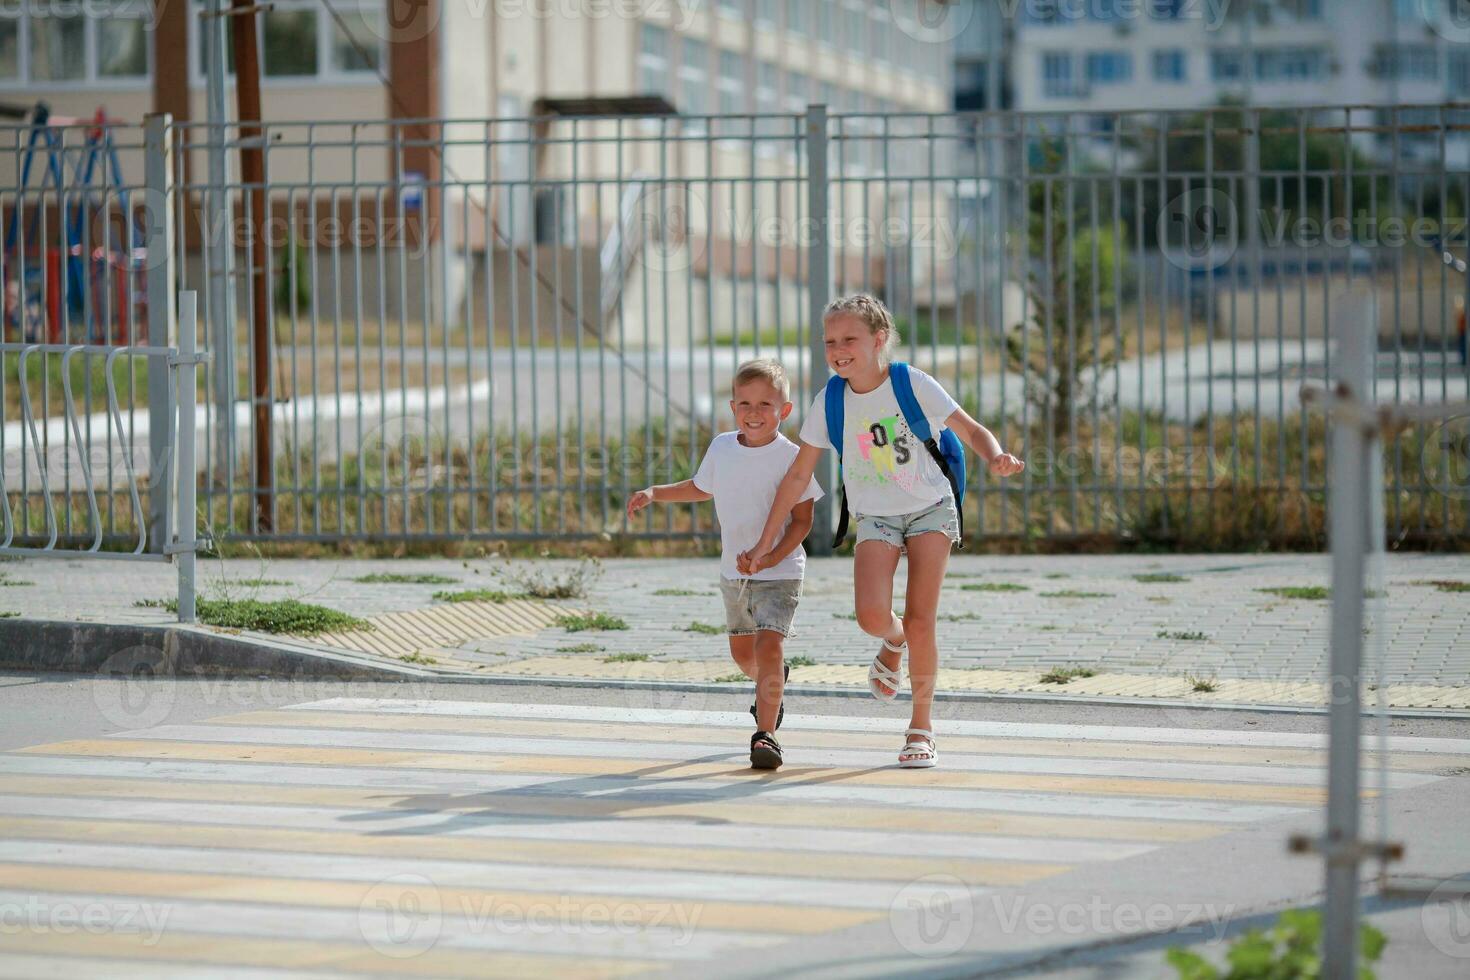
[639, 500]
[1006, 465]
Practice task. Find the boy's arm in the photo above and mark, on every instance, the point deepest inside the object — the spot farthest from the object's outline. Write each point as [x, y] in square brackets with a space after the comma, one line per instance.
[796, 532]
[983, 441]
[793, 485]
[683, 492]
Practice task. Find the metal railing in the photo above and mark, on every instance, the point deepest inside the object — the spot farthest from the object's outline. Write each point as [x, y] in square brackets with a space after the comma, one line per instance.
[76, 478]
[496, 329]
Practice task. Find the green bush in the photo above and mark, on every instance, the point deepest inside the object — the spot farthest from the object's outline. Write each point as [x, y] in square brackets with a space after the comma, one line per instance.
[1289, 950]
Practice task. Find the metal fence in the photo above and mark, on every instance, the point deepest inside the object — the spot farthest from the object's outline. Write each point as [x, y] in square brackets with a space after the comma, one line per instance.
[497, 329]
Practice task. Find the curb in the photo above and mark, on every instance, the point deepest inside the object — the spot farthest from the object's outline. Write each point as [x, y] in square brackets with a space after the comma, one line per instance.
[176, 651]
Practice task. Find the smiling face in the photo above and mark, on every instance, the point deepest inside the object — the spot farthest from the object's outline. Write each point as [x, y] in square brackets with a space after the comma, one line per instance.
[853, 348]
[759, 408]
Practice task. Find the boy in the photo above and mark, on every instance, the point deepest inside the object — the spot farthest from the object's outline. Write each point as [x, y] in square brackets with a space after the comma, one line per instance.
[741, 470]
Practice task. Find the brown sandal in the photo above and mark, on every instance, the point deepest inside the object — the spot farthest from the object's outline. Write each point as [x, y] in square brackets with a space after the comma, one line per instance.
[765, 751]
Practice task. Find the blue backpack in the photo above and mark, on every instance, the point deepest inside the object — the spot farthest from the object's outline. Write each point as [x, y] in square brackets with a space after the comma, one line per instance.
[947, 450]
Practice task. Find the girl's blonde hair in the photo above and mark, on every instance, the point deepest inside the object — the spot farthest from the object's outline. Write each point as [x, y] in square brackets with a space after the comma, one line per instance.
[872, 312]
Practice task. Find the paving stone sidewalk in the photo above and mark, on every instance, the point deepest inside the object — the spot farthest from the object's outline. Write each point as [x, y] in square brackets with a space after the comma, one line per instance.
[1150, 626]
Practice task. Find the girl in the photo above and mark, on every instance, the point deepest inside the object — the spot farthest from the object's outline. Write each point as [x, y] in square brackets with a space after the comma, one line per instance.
[900, 499]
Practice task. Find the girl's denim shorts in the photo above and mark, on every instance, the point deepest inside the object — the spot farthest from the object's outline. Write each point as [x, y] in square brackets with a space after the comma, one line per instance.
[895, 529]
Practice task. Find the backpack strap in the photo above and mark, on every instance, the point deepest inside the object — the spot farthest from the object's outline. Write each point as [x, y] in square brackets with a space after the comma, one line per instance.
[834, 408]
[918, 422]
[908, 404]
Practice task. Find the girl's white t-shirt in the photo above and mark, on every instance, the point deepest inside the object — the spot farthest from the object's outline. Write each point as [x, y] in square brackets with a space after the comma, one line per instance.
[885, 468]
[744, 481]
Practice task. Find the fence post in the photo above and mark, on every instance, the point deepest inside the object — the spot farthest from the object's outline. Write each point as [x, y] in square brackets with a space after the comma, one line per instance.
[158, 241]
[186, 515]
[819, 292]
[1352, 453]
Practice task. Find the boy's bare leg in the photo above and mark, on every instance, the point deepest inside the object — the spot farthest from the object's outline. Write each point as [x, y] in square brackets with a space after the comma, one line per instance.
[928, 559]
[874, 563]
[742, 651]
[770, 682]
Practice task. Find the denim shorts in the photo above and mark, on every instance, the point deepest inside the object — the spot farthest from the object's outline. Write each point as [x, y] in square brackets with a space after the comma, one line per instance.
[760, 604]
[895, 529]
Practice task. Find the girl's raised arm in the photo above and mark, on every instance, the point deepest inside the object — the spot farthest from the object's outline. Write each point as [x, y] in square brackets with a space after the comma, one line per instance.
[793, 484]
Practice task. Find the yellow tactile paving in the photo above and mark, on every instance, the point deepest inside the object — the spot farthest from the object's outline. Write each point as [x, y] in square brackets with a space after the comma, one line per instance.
[520, 851]
[936, 821]
[446, 625]
[634, 912]
[174, 946]
[635, 768]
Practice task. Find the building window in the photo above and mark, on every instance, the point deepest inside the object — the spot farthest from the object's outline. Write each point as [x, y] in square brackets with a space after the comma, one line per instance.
[298, 40]
[653, 60]
[1056, 74]
[796, 18]
[1109, 67]
[879, 33]
[1227, 65]
[798, 91]
[73, 44]
[734, 9]
[9, 46]
[1290, 64]
[827, 21]
[855, 28]
[694, 81]
[58, 47]
[1170, 66]
[1410, 62]
[767, 100]
[732, 83]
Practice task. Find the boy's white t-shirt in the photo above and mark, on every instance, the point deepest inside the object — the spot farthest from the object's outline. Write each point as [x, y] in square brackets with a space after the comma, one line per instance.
[885, 468]
[743, 481]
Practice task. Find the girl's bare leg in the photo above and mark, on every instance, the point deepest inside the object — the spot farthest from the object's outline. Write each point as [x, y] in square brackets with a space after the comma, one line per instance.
[872, 585]
[928, 559]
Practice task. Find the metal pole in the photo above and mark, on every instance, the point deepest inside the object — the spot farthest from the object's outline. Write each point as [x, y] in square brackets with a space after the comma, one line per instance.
[158, 241]
[819, 291]
[1350, 515]
[220, 244]
[252, 173]
[186, 515]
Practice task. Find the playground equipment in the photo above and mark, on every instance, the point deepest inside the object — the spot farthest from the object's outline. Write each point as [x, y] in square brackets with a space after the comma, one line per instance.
[62, 282]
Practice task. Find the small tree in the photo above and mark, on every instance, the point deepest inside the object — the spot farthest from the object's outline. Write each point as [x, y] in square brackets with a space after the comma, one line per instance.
[1057, 348]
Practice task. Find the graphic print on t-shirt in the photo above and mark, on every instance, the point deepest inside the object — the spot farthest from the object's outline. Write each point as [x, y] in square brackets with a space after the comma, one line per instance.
[887, 446]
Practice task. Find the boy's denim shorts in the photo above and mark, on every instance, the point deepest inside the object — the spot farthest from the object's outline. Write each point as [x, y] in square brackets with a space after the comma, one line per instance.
[895, 529]
[760, 604]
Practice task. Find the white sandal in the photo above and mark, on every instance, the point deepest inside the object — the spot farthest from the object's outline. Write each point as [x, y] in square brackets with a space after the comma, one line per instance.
[915, 754]
[891, 677]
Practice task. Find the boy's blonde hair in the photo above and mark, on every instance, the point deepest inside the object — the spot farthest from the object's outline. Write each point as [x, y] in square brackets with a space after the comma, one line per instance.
[871, 311]
[764, 369]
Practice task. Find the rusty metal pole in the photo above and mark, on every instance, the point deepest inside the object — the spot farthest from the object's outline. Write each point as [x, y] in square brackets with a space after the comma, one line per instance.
[252, 174]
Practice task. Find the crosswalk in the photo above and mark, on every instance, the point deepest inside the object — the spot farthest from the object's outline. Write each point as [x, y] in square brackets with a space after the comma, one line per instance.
[357, 836]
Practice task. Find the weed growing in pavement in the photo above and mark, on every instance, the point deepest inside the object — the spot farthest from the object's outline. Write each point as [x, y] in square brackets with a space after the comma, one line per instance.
[579, 622]
[1064, 675]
